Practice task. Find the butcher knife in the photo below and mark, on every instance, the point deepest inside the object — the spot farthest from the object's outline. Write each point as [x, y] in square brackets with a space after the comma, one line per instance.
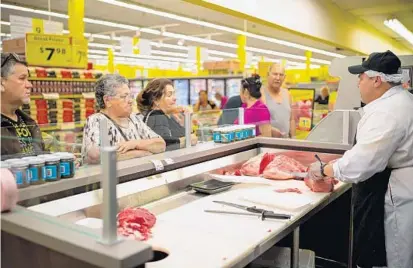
[299, 175]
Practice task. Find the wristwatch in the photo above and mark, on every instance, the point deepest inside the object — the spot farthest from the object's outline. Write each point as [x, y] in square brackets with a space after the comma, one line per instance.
[322, 170]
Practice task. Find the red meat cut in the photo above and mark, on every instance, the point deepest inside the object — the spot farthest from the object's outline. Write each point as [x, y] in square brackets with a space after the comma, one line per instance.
[321, 186]
[136, 223]
[254, 166]
[281, 167]
[288, 190]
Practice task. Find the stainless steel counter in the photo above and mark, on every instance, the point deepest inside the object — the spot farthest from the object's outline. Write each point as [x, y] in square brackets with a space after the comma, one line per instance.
[142, 167]
[44, 223]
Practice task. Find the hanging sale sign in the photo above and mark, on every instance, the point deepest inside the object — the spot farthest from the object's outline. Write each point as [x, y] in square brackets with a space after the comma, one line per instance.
[79, 53]
[48, 50]
[302, 110]
[56, 51]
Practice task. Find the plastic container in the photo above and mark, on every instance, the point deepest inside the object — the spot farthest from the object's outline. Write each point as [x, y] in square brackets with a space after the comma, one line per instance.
[37, 171]
[52, 166]
[216, 135]
[225, 136]
[19, 168]
[4, 165]
[12, 160]
[239, 133]
[67, 165]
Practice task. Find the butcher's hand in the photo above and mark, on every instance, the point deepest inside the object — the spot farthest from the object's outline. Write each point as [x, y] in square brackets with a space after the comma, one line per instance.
[314, 171]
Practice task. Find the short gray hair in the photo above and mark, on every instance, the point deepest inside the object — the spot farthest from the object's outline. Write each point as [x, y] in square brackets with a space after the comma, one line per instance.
[106, 86]
[9, 60]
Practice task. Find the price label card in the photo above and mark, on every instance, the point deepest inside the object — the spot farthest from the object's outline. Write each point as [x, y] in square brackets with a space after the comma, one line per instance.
[79, 53]
[88, 95]
[158, 164]
[169, 161]
[48, 50]
[50, 96]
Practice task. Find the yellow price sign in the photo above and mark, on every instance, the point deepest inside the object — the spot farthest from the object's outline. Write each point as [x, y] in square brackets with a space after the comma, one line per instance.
[79, 53]
[48, 50]
[304, 123]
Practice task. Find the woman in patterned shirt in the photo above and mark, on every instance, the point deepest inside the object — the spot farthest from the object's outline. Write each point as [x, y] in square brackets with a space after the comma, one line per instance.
[126, 130]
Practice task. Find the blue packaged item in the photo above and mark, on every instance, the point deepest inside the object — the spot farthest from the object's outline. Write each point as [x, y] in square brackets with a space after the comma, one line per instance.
[19, 168]
[37, 170]
[67, 165]
[52, 166]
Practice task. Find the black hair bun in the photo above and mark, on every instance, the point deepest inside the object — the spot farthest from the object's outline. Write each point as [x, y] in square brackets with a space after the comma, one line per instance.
[253, 85]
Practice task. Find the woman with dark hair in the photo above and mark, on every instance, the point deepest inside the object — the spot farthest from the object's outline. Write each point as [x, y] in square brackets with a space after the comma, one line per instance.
[256, 112]
[203, 103]
[157, 102]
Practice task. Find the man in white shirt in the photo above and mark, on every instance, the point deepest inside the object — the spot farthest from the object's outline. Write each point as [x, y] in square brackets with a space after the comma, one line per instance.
[380, 166]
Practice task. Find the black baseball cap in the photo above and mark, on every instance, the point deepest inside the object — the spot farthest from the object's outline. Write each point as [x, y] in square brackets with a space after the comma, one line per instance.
[385, 62]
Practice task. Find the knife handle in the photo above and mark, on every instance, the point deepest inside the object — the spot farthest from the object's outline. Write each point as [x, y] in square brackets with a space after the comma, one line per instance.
[272, 215]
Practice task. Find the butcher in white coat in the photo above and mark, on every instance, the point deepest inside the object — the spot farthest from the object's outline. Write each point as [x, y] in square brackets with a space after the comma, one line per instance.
[380, 166]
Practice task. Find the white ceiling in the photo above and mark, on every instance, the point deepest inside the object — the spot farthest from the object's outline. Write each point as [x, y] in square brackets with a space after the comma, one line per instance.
[98, 10]
[375, 12]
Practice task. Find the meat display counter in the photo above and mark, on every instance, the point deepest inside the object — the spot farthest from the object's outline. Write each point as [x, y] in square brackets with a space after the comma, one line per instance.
[184, 234]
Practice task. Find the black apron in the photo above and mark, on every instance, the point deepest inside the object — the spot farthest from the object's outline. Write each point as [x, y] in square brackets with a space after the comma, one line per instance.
[368, 198]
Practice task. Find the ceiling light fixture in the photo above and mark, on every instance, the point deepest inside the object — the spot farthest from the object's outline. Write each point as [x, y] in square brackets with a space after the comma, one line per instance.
[180, 42]
[285, 55]
[220, 27]
[396, 26]
[5, 23]
[167, 53]
[152, 31]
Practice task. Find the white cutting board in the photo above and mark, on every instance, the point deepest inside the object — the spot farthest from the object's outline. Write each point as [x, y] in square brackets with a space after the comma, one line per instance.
[288, 201]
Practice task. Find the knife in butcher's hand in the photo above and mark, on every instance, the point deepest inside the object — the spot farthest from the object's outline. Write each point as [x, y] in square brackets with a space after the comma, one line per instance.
[299, 175]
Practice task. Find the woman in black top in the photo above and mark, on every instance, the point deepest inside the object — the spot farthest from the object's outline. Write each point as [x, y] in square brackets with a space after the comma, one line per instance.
[324, 96]
[157, 102]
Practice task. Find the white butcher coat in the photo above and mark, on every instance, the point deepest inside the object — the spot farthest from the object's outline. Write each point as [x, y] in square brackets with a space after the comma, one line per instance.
[385, 139]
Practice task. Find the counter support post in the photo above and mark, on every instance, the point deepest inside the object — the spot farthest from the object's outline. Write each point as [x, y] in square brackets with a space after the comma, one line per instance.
[110, 202]
[295, 250]
[188, 129]
[240, 116]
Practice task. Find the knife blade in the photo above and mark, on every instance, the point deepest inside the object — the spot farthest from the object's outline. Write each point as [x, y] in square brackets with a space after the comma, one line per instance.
[299, 175]
[263, 216]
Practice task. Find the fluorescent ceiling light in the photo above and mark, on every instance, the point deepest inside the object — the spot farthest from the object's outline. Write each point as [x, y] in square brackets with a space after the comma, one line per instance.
[5, 23]
[219, 27]
[221, 53]
[4, 34]
[285, 55]
[215, 58]
[199, 40]
[37, 11]
[166, 34]
[167, 53]
[102, 45]
[157, 44]
[400, 29]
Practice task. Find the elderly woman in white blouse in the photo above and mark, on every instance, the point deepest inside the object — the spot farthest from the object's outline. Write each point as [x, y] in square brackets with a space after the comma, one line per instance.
[126, 130]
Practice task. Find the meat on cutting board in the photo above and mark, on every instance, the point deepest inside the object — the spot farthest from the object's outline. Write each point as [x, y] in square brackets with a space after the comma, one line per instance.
[281, 167]
[136, 223]
[321, 186]
[255, 165]
[289, 190]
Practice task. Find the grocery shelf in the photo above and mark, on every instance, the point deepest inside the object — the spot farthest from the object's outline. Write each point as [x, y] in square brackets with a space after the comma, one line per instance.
[62, 79]
[64, 126]
[61, 96]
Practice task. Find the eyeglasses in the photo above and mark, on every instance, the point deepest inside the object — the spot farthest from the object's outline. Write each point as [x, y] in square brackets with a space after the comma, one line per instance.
[125, 97]
[11, 56]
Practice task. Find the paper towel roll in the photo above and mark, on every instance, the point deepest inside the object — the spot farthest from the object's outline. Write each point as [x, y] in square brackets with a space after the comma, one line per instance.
[8, 190]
